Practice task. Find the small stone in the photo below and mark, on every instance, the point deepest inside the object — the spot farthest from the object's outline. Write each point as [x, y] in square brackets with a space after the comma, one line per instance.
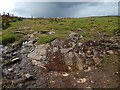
[87, 70]
[15, 60]
[10, 69]
[78, 81]
[51, 33]
[82, 80]
[65, 74]
[69, 68]
[15, 53]
[28, 76]
[110, 52]
[81, 36]
[92, 81]
[20, 85]
[79, 44]
[30, 43]
[116, 73]
[55, 49]
[52, 81]
[88, 52]
[89, 87]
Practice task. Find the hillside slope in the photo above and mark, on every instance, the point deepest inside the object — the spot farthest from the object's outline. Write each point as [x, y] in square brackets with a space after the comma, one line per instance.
[61, 53]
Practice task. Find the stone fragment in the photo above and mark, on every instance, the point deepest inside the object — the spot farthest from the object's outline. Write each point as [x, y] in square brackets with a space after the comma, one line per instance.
[10, 69]
[15, 60]
[82, 80]
[65, 74]
[28, 76]
[51, 33]
[55, 49]
[110, 52]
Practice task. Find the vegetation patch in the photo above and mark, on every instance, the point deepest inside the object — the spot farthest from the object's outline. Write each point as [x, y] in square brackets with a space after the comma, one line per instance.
[91, 27]
[46, 39]
[108, 59]
[9, 37]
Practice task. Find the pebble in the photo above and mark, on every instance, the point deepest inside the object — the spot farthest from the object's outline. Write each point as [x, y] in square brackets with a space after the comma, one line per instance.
[87, 70]
[15, 60]
[82, 80]
[55, 49]
[65, 74]
[110, 52]
[10, 69]
[28, 76]
[92, 81]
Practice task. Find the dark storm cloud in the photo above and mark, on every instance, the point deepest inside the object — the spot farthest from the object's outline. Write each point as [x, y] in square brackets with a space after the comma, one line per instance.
[65, 9]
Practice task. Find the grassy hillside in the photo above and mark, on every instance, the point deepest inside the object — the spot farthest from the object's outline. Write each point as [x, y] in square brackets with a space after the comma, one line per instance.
[88, 27]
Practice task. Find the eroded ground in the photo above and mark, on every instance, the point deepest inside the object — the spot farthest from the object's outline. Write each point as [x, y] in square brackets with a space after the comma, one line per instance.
[72, 62]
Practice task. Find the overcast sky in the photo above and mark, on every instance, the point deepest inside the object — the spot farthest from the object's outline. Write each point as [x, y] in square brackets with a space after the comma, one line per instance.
[60, 9]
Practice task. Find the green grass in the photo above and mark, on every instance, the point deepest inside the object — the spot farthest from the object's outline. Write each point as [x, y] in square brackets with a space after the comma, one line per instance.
[63, 26]
[46, 39]
[9, 37]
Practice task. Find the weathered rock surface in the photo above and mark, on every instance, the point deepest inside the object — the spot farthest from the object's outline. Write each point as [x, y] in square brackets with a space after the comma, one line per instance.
[39, 52]
[59, 64]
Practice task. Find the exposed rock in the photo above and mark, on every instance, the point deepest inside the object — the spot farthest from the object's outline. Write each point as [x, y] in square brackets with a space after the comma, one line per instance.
[55, 49]
[79, 62]
[39, 52]
[97, 60]
[38, 63]
[73, 36]
[4, 49]
[68, 57]
[60, 58]
[28, 43]
[5, 72]
[66, 50]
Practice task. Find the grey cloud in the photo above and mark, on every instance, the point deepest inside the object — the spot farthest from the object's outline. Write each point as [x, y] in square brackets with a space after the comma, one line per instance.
[65, 9]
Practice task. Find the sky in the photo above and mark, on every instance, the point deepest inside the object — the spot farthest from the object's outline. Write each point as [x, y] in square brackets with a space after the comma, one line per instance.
[55, 8]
